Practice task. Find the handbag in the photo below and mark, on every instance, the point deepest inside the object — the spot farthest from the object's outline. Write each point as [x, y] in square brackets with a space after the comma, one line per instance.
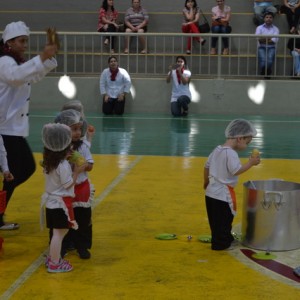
[225, 24]
[204, 26]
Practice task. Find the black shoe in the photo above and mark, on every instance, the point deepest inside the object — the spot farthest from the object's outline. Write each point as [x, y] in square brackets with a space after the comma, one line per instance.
[84, 253]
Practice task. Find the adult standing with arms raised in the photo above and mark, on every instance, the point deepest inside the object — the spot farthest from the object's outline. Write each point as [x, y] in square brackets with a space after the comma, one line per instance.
[16, 76]
[136, 20]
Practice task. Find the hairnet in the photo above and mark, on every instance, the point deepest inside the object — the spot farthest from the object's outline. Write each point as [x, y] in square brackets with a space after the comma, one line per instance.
[56, 137]
[73, 104]
[68, 117]
[240, 128]
[84, 127]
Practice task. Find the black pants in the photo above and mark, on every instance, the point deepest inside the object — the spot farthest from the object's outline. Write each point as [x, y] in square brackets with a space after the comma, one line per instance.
[220, 220]
[111, 28]
[113, 106]
[21, 164]
[82, 237]
[292, 18]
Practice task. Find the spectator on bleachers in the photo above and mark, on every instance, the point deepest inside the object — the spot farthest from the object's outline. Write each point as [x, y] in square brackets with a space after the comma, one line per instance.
[115, 83]
[220, 24]
[291, 9]
[294, 46]
[108, 22]
[181, 94]
[267, 45]
[136, 20]
[191, 14]
[260, 8]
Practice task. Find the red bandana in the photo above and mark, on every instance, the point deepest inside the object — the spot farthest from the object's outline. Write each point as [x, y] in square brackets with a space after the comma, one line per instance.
[178, 75]
[113, 74]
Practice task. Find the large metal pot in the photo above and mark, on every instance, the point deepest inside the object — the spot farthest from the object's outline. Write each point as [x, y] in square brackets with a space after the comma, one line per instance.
[271, 215]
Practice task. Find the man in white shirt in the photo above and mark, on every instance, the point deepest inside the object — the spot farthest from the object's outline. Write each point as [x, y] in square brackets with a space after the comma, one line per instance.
[267, 45]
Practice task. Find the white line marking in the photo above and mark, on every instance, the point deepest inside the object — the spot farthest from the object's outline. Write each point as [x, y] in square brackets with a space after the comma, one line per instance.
[41, 259]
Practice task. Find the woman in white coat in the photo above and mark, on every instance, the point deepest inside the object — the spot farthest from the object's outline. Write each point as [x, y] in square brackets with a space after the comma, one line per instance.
[16, 76]
[115, 83]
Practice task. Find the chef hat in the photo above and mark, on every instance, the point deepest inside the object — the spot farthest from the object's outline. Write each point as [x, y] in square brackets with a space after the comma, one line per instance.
[14, 29]
[56, 137]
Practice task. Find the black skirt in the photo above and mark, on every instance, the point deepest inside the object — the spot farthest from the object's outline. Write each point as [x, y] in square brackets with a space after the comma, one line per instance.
[56, 218]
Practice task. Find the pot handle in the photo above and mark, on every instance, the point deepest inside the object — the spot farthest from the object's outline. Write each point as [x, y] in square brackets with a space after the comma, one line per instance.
[275, 197]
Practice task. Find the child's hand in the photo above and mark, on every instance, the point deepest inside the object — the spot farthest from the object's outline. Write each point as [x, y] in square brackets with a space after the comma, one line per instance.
[74, 224]
[8, 176]
[90, 133]
[80, 168]
[254, 160]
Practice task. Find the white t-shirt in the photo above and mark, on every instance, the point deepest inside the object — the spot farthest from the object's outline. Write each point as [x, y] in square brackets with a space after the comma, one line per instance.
[180, 89]
[57, 185]
[84, 150]
[222, 163]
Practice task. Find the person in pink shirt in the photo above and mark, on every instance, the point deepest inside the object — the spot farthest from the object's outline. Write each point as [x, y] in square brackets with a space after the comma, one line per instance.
[108, 22]
[220, 24]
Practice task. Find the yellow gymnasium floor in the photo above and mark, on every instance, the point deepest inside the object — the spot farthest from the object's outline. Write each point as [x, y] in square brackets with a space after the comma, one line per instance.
[137, 197]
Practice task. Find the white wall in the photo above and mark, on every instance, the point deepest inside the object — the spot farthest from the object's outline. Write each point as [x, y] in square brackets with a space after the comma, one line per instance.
[153, 96]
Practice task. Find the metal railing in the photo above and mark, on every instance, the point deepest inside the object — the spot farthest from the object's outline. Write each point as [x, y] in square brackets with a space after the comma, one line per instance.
[84, 53]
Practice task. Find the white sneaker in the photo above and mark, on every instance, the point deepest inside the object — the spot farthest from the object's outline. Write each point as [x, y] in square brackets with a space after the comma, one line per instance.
[10, 226]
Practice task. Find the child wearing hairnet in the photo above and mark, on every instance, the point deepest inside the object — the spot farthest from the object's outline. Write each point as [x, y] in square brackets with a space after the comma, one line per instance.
[221, 172]
[80, 239]
[59, 194]
[89, 129]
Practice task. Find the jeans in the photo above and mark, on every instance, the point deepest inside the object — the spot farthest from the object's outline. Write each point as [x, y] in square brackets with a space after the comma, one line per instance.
[219, 29]
[296, 62]
[259, 12]
[266, 57]
[181, 104]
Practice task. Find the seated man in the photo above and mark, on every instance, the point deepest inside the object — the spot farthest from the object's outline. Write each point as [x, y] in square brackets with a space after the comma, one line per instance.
[267, 45]
[260, 8]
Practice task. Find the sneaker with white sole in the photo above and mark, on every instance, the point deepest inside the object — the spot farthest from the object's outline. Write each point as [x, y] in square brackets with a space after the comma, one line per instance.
[61, 267]
[10, 226]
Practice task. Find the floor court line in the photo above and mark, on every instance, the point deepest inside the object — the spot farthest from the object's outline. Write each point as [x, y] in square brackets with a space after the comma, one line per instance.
[191, 118]
[41, 259]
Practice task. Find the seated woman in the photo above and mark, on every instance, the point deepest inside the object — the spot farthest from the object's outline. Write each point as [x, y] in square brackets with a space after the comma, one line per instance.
[291, 8]
[108, 22]
[190, 23]
[115, 83]
[181, 94]
[294, 46]
[136, 20]
[220, 21]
